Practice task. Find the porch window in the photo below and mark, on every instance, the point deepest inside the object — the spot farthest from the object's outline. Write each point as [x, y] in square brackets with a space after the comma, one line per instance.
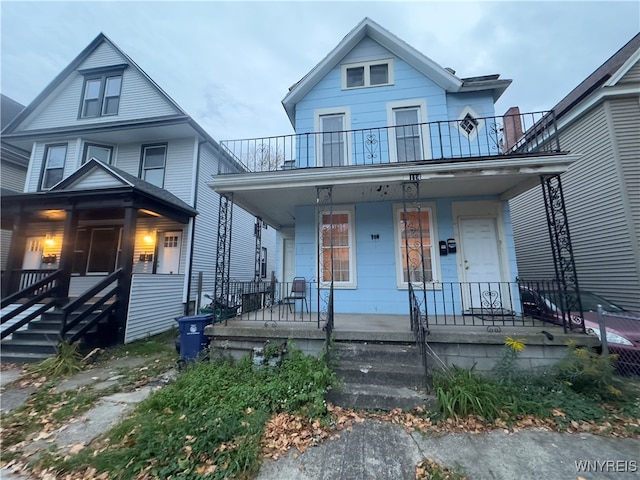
[97, 250]
[367, 74]
[99, 152]
[336, 238]
[101, 94]
[153, 164]
[53, 170]
[414, 233]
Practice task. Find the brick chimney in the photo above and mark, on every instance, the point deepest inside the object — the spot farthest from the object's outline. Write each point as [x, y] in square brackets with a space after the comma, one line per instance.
[512, 128]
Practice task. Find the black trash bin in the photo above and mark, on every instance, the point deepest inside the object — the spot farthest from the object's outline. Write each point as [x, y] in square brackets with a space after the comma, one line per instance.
[192, 337]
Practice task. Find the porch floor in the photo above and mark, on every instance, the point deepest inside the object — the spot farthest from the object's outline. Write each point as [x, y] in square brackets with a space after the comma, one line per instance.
[389, 328]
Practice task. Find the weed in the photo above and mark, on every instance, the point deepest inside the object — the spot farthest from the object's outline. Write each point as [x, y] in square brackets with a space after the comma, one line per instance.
[66, 361]
[462, 392]
[429, 469]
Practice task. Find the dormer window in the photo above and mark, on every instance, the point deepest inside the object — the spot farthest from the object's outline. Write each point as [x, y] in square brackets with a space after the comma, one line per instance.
[367, 74]
[101, 92]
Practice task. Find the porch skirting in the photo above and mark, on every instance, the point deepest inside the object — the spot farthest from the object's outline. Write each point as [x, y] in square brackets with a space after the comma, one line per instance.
[462, 346]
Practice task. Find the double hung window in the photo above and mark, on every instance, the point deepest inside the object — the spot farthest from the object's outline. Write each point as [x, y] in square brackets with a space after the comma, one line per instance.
[333, 138]
[99, 152]
[337, 257]
[53, 170]
[154, 159]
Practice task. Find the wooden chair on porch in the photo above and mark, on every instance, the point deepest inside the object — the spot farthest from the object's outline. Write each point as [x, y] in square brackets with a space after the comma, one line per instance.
[298, 293]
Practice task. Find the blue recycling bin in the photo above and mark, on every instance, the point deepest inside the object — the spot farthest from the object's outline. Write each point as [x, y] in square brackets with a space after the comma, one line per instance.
[192, 337]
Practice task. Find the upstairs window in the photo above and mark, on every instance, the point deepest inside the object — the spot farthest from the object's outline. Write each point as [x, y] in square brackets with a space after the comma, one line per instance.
[99, 152]
[367, 74]
[154, 159]
[53, 168]
[101, 92]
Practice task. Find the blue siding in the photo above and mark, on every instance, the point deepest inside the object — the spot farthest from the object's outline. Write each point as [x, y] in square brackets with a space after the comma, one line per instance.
[377, 290]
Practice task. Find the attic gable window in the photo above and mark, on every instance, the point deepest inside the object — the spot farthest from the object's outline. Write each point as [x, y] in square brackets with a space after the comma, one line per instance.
[101, 91]
[367, 74]
[470, 123]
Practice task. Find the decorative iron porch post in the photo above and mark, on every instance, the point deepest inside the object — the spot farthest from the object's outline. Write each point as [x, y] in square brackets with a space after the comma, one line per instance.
[414, 248]
[223, 249]
[258, 234]
[560, 239]
[324, 200]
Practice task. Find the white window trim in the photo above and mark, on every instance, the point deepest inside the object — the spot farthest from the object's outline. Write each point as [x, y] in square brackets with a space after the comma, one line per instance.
[353, 275]
[474, 134]
[317, 122]
[419, 103]
[367, 76]
[435, 254]
[46, 168]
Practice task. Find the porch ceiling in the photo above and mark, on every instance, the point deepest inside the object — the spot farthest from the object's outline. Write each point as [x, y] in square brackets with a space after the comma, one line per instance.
[274, 195]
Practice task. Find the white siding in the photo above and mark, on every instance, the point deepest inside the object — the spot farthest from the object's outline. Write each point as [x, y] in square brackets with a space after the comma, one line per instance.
[13, 176]
[139, 99]
[97, 179]
[179, 170]
[155, 303]
[632, 76]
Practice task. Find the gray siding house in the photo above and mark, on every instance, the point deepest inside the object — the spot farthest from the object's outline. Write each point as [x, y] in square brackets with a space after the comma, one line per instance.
[599, 121]
[117, 192]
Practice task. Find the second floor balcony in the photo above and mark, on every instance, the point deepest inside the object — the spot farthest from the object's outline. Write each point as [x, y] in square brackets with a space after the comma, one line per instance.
[455, 140]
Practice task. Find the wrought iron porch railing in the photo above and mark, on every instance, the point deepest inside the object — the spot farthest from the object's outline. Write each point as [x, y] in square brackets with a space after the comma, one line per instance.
[268, 302]
[328, 326]
[440, 140]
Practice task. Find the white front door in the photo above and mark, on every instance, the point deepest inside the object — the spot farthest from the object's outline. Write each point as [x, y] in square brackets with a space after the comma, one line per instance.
[33, 253]
[289, 259]
[481, 266]
[169, 252]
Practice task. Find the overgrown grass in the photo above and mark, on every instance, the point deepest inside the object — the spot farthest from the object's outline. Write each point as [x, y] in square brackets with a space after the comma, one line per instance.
[209, 421]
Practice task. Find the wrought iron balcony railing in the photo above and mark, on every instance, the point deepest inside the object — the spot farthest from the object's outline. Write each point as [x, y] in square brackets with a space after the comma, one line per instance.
[457, 139]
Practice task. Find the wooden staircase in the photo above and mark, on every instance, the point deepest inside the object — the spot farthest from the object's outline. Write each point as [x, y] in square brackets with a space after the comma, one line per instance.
[379, 376]
[41, 337]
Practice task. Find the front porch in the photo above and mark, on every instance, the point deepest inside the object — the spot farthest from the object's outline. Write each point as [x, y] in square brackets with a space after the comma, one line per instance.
[479, 342]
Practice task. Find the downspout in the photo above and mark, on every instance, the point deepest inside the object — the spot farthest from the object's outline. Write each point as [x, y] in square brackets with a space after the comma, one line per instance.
[193, 229]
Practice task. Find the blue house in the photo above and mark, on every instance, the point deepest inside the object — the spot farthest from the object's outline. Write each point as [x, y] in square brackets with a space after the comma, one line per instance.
[397, 178]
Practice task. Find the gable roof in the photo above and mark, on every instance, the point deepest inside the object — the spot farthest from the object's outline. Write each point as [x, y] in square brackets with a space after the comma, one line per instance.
[119, 178]
[69, 69]
[367, 27]
[619, 61]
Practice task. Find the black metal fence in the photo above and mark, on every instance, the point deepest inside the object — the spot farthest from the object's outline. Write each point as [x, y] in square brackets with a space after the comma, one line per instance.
[455, 139]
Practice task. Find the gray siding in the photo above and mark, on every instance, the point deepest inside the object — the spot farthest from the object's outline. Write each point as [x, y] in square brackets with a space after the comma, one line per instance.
[596, 206]
[632, 76]
[155, 303]
[139, 98]
[13, 176]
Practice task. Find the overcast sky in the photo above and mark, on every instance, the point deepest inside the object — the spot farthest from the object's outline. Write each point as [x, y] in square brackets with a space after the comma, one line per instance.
[229, 64]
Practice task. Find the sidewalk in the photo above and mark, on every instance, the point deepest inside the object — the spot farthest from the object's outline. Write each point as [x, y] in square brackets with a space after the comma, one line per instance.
[371, 450]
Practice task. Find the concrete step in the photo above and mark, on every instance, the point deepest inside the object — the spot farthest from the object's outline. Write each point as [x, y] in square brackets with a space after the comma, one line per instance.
[379, 397]
[371, 352]
[380, 373]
